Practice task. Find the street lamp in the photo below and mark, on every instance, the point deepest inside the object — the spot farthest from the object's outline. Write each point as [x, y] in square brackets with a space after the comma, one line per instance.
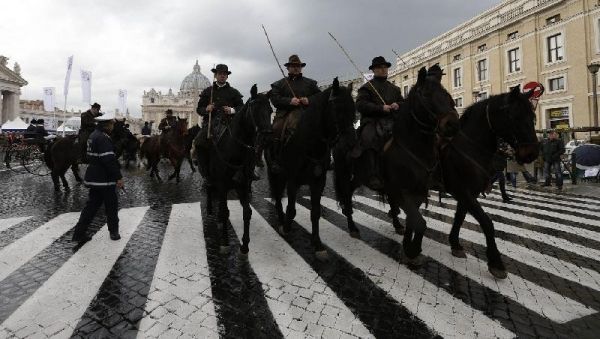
[593, 68]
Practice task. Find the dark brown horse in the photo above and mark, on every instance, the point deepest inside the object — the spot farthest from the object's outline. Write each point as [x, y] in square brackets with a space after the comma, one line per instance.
[509, 116]
[170, 145]
[305, 157]
[126, 145]
[232, 161]
[408, 160]
[189, 141]
[62, 154]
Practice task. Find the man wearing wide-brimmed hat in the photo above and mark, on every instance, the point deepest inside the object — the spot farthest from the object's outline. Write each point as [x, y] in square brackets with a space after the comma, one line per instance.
[287, 101]
[88, 124]
[103, 178]
[221, 101]
[376, 118]
[167, 122]
[436, 73]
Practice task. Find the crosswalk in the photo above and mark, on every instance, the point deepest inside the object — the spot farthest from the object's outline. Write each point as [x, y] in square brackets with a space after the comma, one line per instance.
[551, 244]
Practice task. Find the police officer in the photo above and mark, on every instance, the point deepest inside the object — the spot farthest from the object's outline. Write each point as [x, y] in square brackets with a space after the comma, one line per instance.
[226, 101]
[103, 178]
[376, 118]
[88, 124]
[285, 102]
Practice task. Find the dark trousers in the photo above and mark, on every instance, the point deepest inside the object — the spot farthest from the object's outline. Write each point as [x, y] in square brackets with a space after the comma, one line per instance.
[98, 196]
[553, 168]
[499, 176]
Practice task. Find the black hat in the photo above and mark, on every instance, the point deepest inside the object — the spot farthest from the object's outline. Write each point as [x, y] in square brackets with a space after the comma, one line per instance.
[169, 111]
[96, 105]
[435, 70]
[294, 60]
[40, 121]
[221, 68]
[378, 61]
[33, 122]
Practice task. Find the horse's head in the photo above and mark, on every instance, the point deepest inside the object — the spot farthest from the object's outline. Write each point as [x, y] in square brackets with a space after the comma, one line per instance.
[181, 127]
[432, 106]
[342, 110]
[259, 111]
[118, 130]
[515, 123]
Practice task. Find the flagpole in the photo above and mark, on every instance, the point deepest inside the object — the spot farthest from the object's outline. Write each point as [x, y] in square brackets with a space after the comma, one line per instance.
[64, 116]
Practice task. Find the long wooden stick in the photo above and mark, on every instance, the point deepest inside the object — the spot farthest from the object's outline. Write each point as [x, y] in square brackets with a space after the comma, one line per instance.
[357, 69]
[399, 57]
[277, 61]
[212, 88]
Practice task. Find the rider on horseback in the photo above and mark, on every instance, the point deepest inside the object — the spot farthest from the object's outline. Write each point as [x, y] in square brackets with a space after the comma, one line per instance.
[88, 124]
[288, 106]
[376, 119]
[221, 101]
[167, 122]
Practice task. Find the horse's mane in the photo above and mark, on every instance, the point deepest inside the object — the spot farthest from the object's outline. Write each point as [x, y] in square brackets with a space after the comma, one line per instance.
[480, 106]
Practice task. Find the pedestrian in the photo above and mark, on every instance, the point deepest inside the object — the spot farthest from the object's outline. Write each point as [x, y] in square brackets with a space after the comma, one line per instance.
[552, 149]
[513, 168]
[103, 178]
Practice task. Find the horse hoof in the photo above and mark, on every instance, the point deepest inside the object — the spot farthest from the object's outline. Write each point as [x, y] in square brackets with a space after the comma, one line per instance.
[322, 255]
[355, 234]
[282, 230]
[416, 261]
[243, 254]
[223, 249]
[459, 253]
[498, 273]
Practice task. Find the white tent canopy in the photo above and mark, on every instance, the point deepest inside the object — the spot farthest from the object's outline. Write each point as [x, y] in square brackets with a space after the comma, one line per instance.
[14, 125]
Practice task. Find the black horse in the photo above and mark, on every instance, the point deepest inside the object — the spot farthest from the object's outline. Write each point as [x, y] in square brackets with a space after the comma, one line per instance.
[189, 141]
[467, 162]
[231, 152]
[126, 145]
[409, 158]
[62, 154]
[305, 157]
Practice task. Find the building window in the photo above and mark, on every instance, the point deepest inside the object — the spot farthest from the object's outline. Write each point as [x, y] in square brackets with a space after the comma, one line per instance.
[512, 36]
[457, 76]
[553, 19]
[151, 100]
[556, 84]
[456, 57]
[555, 47]
[514, 62]
[458, 102]
[406, 77]
[405, 90]
[481, 48]
[559, 117]
[482, 70]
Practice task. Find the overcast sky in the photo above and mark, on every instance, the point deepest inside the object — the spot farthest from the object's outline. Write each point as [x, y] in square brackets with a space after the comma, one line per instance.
[140, 44]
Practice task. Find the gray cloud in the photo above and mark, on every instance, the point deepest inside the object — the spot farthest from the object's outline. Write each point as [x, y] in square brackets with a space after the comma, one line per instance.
[139, 44]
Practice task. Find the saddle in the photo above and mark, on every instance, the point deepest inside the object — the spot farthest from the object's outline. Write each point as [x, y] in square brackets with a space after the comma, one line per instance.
[375, 135]
[289, 124]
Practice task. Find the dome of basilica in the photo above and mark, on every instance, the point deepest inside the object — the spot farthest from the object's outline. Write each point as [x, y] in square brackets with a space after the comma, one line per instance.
[195, 80]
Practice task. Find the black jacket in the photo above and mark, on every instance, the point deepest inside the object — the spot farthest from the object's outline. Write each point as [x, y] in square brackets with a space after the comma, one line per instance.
[368, 103]
[552, 150]
[87, 120]
[222, 96]
[146, 130]
[103, 169]
[281, 94]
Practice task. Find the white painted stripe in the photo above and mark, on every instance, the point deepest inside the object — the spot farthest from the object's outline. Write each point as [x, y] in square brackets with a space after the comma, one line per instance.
[517, 198]
[10, 222]
[11, 169]
[532, 296]
[448, 316]
[559, 268]
[557, 242]
[560, 195]
[551, 200]
[24, 249]
[518, 217]
[180, 289]
[301, 302]
[65, 296]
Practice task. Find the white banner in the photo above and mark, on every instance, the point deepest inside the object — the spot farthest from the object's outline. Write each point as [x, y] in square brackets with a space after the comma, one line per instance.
[68, 76]
[123, 101]
[368, 77]
[86, 87]
[49, 99]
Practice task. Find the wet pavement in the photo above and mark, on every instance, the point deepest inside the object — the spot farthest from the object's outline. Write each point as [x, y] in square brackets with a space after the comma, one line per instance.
[169, 278]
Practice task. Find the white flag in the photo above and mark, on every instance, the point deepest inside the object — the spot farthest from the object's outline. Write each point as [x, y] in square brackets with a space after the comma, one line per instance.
[86, 87]
[123, 101]
[49, 99]
[68, 76]
[368, 77]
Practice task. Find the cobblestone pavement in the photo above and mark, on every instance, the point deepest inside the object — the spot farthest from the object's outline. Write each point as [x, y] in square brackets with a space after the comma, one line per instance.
[167, 277]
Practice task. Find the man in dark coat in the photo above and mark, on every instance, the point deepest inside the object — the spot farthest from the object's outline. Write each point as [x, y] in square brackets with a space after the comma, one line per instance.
[167, 122]
[146, 131]
[221, 101]
[376, 118]
[289, 105]
[88, 124]
[103, 178]
[436, 73]
[552, 149]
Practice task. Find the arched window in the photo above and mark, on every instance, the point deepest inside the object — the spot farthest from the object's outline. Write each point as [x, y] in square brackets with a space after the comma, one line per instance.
[151, 100]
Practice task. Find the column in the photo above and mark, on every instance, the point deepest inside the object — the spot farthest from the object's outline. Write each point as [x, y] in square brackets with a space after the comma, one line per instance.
[1, 109]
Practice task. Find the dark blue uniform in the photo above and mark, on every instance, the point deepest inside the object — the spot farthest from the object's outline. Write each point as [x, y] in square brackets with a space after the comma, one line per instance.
[101, 177]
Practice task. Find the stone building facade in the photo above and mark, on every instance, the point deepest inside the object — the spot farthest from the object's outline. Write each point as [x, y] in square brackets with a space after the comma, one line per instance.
[550, 41]
[10, 90]
[183, 104]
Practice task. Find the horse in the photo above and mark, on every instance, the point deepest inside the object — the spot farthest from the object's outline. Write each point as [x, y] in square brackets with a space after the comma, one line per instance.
[189, 144]
[407, 162]
[170, 144]
[304, 159]
[509, 116]
[62, 154]
[126, 144]
[232, 161]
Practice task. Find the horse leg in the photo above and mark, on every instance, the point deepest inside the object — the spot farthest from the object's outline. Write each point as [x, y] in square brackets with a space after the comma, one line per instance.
[393, 214]
[209, 199]
[178, 169]
[75, 170]
[415, 228]
[459, 217]
[223, 218]
[189, 159]
[290, 211]
[174, 164]
[64, 180]
[247, 213]
[316, 191]
[344, 188]
[54, 175]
